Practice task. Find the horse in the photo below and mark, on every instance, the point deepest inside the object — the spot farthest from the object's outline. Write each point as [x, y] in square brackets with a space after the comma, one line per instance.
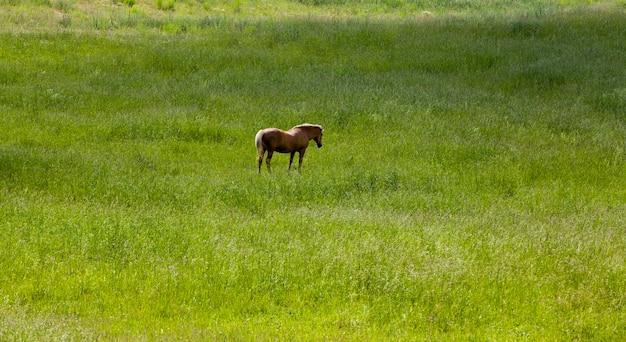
[291, 141]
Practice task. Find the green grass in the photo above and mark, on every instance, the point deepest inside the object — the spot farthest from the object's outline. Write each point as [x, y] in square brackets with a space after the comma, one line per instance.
[471, 185]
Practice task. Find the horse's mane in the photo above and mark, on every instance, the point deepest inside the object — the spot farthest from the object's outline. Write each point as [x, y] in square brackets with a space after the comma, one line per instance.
[309, 125]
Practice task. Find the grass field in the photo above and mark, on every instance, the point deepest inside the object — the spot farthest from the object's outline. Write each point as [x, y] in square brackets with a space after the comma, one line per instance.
[472, 183]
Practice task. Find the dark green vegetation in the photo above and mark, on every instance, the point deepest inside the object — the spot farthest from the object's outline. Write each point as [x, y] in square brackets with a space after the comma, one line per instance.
[471, 184]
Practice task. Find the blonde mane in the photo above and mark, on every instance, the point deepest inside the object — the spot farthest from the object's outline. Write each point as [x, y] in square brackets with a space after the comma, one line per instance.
[309, 125]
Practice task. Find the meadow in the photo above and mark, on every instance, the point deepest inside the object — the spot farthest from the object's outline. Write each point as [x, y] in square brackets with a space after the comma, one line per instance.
[471, 185]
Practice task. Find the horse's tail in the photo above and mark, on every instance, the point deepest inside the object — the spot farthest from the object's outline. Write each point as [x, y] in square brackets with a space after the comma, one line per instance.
[258, 140]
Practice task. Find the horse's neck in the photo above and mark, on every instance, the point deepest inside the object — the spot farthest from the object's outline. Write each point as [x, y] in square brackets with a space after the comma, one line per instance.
[308, 131]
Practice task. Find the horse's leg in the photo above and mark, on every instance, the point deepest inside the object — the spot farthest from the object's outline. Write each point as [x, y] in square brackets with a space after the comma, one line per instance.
[291, 159]
[261, 160]
[301, 153]
[268, 160]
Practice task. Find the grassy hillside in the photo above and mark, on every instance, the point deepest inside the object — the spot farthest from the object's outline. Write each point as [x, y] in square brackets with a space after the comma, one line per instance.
[471, 183]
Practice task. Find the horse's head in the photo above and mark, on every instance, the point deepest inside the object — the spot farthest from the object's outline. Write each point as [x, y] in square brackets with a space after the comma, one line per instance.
[318, 138]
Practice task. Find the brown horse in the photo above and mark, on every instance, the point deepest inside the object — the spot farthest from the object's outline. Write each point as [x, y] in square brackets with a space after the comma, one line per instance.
[291, 141]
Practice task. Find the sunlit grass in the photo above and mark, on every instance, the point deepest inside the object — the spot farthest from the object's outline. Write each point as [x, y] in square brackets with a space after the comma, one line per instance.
[470, 185]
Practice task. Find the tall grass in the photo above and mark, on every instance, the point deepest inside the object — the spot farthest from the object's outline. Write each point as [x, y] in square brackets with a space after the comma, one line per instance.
[470, 185]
